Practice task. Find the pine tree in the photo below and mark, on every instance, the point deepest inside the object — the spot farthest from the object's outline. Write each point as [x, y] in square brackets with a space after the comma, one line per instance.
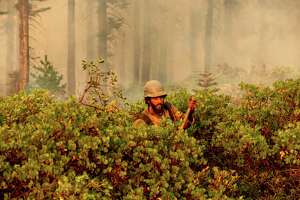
[206, 80]
[47, 77]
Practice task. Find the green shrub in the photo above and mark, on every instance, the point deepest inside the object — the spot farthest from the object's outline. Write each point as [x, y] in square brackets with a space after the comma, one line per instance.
[67, 150]
[64, 149]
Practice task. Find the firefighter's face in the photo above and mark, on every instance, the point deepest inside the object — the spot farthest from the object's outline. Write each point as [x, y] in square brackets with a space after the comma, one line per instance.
[157, 103]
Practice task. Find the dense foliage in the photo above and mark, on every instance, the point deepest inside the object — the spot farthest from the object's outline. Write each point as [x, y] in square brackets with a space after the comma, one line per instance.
[246, 148]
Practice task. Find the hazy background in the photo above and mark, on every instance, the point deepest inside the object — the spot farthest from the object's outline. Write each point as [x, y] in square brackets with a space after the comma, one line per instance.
[170, 40]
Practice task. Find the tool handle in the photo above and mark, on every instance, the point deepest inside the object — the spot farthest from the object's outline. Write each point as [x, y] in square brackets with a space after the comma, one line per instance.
[185, 119]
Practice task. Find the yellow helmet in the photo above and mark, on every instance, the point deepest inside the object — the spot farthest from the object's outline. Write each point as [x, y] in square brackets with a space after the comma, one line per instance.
[153, 88]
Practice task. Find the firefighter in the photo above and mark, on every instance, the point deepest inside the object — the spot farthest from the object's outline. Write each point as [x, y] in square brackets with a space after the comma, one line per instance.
[158, 109]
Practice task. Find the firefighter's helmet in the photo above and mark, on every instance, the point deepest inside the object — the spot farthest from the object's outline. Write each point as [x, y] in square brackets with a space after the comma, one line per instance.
[153, 88]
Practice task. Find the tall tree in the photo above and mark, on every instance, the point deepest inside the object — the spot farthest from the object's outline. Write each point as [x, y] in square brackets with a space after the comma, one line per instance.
[71, 75]
[263, 31]
[163, 42]
[146, 42]
[23, 8]
[4, 70]
[10, 22]
[90, 32]
[102, 29]
[195, 30]
[162, 71]
[122, 53]
[115, 23]
[229, 13]
[209, 35]
[136, 42]
[10, 43]
[25, 11]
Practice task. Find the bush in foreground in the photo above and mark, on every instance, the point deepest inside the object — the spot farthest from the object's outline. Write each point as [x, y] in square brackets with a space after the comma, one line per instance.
[249, 149]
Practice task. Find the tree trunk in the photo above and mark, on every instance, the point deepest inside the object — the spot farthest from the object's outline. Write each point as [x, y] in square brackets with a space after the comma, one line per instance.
[136, 43]
[162, 72]
[90, 33]
[155, 42]
[122, 64]
[10, 32]
[228, 18]
[71, 76]
[11, 47]
[195, 30]
[102, 28]
[261, 49]
[163, 44]
[229, 42]
[147, 44]
[209, 36]
[23, 7]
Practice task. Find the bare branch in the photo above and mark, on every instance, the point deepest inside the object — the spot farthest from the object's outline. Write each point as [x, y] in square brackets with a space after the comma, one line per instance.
[89, 105]
[35, 12]
[84, 93]
[3, 12]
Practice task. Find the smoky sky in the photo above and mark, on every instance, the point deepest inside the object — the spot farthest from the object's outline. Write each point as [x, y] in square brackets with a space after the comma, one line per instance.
[244, 34]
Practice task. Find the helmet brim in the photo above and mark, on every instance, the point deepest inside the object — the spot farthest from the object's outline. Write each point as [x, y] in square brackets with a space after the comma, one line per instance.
[159, 94]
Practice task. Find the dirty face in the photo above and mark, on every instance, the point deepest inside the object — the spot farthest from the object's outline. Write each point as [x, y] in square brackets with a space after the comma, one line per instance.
[157, 103]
